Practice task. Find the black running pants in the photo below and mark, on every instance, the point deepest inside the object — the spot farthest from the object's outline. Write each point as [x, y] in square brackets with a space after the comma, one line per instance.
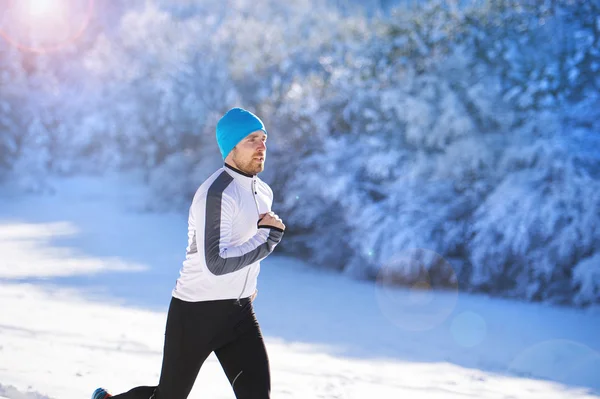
[196, 329]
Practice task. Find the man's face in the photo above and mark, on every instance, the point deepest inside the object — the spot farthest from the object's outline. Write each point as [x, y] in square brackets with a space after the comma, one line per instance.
[249, 155]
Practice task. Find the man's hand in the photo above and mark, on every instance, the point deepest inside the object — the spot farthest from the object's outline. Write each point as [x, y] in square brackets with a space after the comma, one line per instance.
[270, 219]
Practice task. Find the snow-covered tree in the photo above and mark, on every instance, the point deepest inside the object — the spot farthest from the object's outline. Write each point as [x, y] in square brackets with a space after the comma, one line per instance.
[541, 220]
[12, 121]
[586, 278]
[462, 129]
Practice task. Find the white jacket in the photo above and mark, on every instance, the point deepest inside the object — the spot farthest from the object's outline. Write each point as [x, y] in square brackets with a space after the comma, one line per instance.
[225, 245]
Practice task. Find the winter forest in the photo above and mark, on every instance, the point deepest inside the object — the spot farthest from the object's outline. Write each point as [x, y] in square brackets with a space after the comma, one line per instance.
[438, 143]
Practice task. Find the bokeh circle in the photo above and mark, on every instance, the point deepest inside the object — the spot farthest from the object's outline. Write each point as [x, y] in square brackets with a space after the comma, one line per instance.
[416, 289]
[560, 360]
[468, 329]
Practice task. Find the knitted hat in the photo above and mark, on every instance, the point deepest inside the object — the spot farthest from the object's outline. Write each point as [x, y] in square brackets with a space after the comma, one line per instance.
[236, 124]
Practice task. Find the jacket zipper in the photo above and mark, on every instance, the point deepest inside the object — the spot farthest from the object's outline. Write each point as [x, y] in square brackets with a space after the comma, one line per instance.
[254, 193]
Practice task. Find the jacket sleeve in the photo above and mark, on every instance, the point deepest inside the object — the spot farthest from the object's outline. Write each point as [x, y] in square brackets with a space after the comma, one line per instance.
[220, 256]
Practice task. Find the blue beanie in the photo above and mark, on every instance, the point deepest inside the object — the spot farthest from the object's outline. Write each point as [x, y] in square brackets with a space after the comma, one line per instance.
[236, 124]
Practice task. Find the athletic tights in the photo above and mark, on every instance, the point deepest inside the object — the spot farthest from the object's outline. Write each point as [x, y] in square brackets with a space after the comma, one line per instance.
[195, 330]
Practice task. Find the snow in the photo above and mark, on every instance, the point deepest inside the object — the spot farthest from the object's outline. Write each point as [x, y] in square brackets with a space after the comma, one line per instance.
[13, 393]
[87, 282]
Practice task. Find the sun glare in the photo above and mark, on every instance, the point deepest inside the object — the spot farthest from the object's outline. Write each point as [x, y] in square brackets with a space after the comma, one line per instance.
[44, 25]
[43, 8]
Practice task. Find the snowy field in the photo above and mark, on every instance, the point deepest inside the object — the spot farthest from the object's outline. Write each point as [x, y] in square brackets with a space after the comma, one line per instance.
[85, 281]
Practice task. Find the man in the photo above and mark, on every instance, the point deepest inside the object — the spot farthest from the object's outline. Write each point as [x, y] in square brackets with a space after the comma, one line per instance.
[231, 229]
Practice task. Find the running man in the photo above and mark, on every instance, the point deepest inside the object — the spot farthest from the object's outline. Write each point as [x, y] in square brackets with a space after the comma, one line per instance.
[230, 230]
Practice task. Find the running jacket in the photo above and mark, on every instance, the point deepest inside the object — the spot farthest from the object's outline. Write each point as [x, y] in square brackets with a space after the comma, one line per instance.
[225, 244]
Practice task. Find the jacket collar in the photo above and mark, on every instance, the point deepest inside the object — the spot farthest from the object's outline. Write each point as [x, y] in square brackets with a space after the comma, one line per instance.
[240, 176]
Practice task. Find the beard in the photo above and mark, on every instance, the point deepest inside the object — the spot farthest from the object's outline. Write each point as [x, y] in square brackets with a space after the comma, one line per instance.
[250, 166]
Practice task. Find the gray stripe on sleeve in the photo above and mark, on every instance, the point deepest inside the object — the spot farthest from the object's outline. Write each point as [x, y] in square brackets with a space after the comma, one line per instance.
[274, 238]
[212, 234]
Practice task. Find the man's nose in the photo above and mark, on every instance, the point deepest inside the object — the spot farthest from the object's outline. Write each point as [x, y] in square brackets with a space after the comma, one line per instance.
[262, 145]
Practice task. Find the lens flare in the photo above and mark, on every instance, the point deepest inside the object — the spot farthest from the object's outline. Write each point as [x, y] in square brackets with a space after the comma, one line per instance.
[40, 8]
[42, 26]
[405, 294]
[561, 360]
[468, 329]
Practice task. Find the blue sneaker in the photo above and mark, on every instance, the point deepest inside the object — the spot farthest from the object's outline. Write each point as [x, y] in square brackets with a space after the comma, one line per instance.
[100, 393]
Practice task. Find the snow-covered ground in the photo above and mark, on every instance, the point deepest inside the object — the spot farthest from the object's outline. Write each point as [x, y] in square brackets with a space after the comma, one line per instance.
[85, 281]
